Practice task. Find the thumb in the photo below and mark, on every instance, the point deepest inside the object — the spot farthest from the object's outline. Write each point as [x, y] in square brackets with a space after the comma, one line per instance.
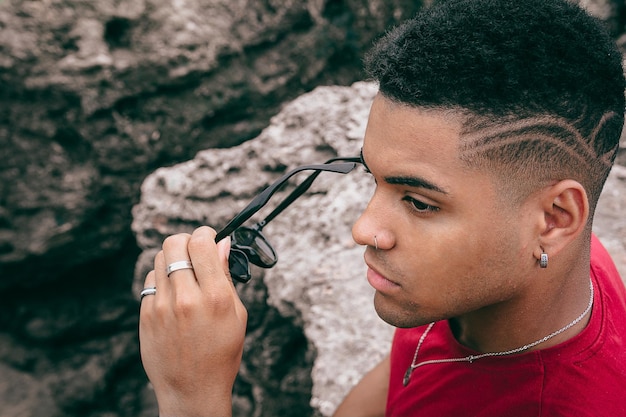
[223, 252]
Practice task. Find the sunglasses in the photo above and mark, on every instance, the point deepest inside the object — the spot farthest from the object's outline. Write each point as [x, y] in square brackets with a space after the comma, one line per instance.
[248, 245]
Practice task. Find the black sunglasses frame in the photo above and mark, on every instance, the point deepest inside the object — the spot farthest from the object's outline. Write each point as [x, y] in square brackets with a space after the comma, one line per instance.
[239, 259]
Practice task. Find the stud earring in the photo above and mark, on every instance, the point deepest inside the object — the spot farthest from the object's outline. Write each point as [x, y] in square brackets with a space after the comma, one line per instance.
[543, 260]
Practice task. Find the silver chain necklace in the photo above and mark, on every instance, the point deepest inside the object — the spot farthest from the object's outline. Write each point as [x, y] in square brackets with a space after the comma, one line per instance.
[472, 358]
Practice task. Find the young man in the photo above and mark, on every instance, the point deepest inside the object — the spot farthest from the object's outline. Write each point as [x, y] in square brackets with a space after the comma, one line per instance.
[495, 127]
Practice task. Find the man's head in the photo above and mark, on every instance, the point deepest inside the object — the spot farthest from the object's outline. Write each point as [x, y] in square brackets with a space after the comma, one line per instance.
[495, 127]
[539, 82]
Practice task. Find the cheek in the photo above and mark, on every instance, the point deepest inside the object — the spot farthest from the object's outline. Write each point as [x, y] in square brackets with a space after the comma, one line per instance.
[487, 265]
[459, 245]
[465, 257]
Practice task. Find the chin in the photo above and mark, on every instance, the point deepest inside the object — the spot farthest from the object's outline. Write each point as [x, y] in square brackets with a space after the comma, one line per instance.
[398, 317]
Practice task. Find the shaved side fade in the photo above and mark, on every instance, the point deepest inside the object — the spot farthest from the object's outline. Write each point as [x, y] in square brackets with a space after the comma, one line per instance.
[539, 84]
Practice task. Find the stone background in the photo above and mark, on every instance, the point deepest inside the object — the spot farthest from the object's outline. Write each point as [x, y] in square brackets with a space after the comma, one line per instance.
[95, 96]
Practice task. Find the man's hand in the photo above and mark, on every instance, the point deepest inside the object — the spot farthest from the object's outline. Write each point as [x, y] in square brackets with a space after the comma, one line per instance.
[192, 330]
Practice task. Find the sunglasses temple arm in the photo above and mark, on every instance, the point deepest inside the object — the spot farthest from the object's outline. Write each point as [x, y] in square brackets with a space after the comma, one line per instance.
[293, 196]
[299, 190]
[261, 199]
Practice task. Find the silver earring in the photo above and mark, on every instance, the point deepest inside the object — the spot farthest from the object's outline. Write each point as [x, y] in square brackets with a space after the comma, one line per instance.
[543, 260]
[375, 242]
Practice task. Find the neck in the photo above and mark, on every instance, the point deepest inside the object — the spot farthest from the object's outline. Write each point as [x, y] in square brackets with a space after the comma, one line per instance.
[526, 319]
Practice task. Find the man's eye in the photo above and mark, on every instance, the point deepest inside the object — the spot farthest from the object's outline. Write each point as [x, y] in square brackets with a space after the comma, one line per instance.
[420, 206]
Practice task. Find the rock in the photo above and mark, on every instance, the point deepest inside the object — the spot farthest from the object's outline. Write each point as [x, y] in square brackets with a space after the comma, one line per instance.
[318, 282]
[101, 93]
[94, 96]
[22, 395]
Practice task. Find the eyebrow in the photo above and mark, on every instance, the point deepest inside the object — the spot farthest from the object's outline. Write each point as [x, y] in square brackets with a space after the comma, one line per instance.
[415, 182]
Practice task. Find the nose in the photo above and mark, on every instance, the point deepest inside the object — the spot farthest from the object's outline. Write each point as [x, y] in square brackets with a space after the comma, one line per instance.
[371, 229]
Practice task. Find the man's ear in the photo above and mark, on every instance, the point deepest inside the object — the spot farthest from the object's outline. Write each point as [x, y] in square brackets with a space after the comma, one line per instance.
[565, 210]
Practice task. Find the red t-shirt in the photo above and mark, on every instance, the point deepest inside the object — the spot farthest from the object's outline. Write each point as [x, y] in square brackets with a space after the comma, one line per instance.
[583, 376]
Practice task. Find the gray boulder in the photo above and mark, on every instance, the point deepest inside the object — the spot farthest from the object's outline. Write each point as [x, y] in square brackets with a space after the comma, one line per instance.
[94, 96]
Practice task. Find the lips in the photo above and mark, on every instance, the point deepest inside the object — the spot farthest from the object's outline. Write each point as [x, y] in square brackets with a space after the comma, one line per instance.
[379, 281]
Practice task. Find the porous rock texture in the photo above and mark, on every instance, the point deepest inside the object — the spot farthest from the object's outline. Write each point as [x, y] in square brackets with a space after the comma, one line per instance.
[319, 282]
[96, 95]
[102, 93]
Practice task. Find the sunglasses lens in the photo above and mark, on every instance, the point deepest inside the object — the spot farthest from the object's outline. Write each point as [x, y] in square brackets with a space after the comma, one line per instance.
[264, 252]
[257, 248]
[238, 266]
[244, 236]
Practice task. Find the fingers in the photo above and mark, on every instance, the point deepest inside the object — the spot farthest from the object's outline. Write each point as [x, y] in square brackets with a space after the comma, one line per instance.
[223, 252]
[149, 282]
[210, 272]
[210, 260]
[161, 281]
[193, 329]
[182, 282]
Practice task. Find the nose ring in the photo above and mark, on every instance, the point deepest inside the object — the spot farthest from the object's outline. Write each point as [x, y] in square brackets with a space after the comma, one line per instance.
[375, 242]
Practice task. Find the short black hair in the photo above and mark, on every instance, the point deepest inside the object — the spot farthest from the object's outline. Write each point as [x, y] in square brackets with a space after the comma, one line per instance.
[545, 67]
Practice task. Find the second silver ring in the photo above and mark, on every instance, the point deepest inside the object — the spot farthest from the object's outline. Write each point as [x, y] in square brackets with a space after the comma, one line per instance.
[176, 266]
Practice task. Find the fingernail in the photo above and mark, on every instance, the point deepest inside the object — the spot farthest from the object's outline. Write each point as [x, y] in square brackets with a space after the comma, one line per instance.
[223, 247]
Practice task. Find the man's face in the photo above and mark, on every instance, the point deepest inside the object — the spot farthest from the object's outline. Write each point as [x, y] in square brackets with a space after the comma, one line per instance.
[447, 245]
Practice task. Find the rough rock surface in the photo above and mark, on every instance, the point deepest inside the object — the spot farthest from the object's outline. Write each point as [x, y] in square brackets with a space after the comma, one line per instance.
[319, 281]
[94, 96]
[102, 93]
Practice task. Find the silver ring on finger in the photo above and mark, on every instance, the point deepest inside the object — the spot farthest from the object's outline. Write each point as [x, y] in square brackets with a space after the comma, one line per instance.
[147, 291]
[176, 266]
